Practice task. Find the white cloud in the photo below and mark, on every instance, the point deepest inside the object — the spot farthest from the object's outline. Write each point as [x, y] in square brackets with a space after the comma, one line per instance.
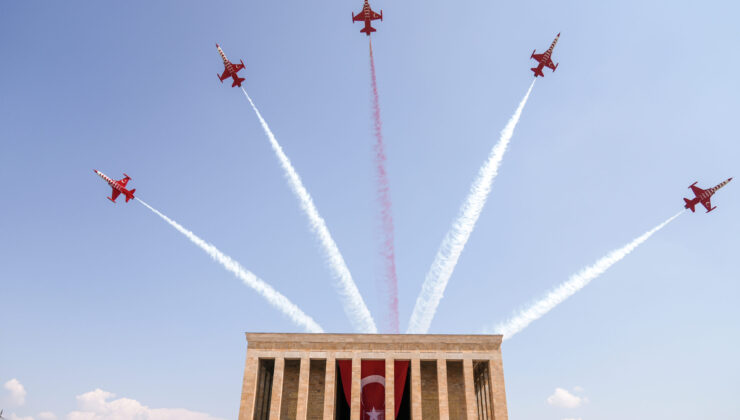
[99, 405]
[17, 391]
[12, 416]
[47, 415]
[563, 398]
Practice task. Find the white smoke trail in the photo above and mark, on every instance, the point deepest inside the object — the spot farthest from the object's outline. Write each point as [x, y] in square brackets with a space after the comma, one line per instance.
[575, 283]
[354, 305]
[273, 296]
[452, 246]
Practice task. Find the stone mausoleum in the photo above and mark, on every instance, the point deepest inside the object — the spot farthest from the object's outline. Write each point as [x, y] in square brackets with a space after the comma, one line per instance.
[373, 377]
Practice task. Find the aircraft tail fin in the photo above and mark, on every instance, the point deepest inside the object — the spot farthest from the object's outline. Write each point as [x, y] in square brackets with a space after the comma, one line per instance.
[238, 82]
[130, 195]
[368, 30]
[690, 205]
[537, 72]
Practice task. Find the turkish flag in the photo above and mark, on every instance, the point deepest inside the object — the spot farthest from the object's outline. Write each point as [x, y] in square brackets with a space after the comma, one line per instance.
[372, 386]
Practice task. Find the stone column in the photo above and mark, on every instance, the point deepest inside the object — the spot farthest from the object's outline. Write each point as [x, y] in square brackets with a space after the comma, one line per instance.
[444, 401]
[329, 397]
[302, 409]
[470, 401]
[487, 392]
[277, 388]
[356, 388]
[415, 389]
[249, 388]
[390, 388]
[499, 392]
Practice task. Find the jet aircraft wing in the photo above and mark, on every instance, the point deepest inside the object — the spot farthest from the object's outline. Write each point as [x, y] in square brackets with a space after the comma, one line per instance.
[124, 181]
[550, 64]
[707, 204]
[374, 16]
[115, 194]
[697, 191]
[224, 76]
[538, 57]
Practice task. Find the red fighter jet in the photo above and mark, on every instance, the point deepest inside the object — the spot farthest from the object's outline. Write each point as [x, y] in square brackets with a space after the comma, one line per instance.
[230, 69]
[544, 59]
[367, 15]
[702, 196]
[118, 186]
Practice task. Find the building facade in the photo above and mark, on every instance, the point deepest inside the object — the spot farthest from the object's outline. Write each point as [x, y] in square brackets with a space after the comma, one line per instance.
[373, 377]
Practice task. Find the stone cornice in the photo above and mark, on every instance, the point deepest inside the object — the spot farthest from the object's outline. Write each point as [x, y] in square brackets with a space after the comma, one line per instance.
[374, 342]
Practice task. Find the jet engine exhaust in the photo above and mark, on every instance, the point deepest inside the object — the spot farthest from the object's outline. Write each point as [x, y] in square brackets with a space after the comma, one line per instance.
[454, 242]
[575, 283]
[274, 297]
[354, 305]
[387, 251]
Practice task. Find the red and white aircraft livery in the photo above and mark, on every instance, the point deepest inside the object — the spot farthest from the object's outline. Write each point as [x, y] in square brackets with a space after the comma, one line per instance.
[544, 59]
[230, 69]
[702, 196]
[118, 186]
[367, 15]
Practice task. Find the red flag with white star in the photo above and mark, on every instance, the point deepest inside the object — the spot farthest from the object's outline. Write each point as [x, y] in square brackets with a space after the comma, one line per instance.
[372, 386]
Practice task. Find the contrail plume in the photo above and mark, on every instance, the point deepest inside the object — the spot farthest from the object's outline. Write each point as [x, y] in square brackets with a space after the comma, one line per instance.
[575, 283]
[388, 251]
[454, 242]
[274, 297]
[354, 305]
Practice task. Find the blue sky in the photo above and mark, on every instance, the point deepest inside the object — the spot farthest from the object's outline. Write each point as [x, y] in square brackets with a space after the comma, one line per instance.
[644, 103]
